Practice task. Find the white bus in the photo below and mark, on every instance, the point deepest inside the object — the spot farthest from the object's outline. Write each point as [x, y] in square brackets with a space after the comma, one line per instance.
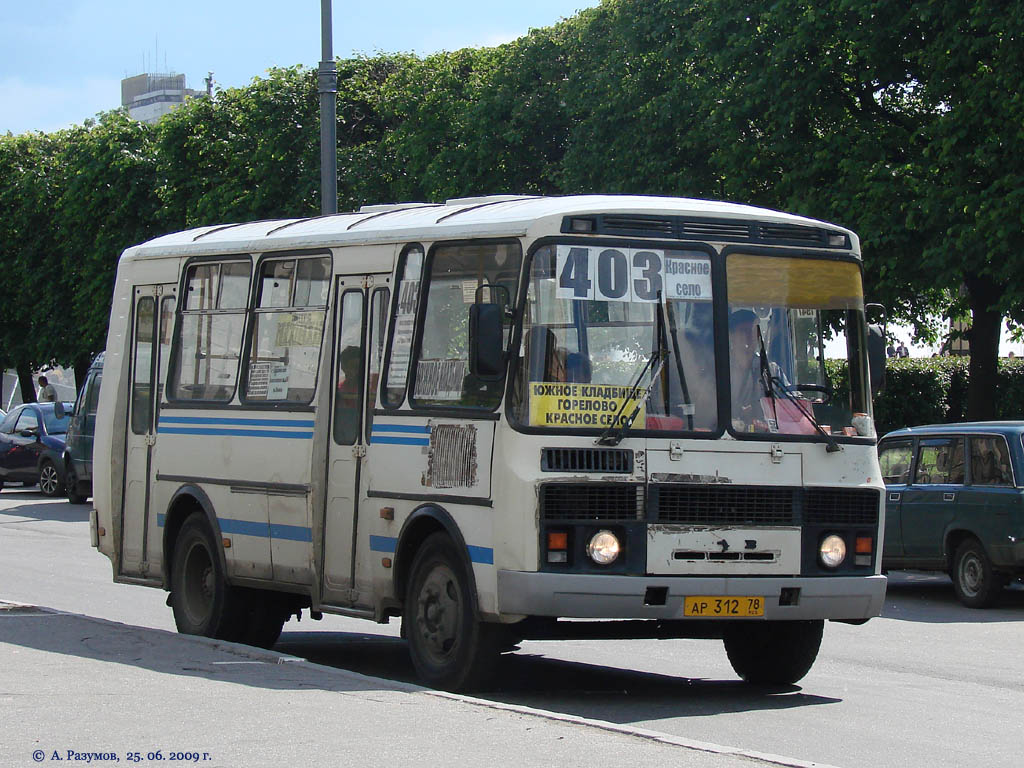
[498, 418]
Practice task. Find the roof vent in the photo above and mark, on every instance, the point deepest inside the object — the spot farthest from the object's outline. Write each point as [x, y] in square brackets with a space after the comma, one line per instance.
[388, 207]
[487, 199]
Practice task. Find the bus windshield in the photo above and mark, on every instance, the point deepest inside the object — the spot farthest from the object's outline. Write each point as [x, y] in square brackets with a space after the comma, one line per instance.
[616, 335]
[619, 338]
[786, 316]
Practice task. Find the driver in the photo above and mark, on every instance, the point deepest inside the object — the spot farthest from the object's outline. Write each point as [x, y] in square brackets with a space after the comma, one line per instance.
[747, 383]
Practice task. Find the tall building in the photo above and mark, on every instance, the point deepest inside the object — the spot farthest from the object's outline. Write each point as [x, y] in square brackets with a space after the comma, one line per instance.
[150, 96]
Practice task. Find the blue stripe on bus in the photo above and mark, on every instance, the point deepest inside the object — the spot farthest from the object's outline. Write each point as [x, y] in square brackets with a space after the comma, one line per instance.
[424, 430]
[377, 439]
[383, 543]
[388, 544]
[161, 430]
[236, 422]
[483, 555]
[259, 530]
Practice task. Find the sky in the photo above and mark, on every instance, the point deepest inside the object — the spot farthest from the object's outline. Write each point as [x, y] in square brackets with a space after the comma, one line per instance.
[62, 61]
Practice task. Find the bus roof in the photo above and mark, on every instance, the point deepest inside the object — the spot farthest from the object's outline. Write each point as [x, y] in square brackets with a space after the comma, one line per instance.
[495, 216]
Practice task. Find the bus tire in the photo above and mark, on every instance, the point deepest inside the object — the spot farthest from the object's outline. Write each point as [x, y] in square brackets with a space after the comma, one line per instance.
[264, 616]
[450, 647]
[201, 598]
[975, 581]
[773, 652]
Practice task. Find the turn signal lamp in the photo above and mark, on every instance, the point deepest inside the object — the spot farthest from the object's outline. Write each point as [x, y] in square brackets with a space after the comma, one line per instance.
[558, 545]
[863, 548]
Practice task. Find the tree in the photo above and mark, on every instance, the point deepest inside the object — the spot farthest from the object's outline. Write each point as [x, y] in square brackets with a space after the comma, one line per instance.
[107, 202]
[34, 292]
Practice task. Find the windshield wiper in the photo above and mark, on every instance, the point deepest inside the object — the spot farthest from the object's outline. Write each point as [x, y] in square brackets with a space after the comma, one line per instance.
[608, 437]
[773, 384]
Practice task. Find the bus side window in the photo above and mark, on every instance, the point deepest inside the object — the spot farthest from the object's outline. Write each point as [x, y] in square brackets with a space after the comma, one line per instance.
[287, 330]
[378, 314]
[406, 302]
[458, 276]
[208, 339]
[349, 389]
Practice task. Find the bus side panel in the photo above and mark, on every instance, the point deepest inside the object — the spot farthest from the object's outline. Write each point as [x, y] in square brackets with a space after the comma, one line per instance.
[254, 466]
[432, 461]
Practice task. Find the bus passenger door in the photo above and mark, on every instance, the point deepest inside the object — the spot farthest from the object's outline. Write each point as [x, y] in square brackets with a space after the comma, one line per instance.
[361, 307]
[151, 329]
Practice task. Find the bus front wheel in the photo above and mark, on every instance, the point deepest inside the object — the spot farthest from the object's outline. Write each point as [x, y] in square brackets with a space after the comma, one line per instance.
[450, 647]
[773, 652]
[201, 598]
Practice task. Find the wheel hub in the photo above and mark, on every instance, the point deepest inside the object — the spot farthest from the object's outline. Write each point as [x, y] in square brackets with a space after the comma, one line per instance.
[439, 608]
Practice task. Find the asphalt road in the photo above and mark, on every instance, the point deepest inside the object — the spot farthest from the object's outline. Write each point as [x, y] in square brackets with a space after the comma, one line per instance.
[931, 683]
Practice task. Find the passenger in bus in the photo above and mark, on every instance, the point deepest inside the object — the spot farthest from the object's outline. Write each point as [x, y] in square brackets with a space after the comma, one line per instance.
[577, 368]
[350, 362]
[747, 382]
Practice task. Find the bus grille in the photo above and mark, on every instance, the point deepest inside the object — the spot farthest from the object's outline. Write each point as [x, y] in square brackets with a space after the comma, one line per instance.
[710, 505]
[725, 505]
[609, 460]
[841, 506]
[591, 501]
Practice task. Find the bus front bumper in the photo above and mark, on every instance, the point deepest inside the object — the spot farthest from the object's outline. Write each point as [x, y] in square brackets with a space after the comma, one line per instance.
[588, 596]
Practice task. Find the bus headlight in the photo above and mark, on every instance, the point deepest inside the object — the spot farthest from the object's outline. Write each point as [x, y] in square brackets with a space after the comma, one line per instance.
[603, 547]
[832, 551]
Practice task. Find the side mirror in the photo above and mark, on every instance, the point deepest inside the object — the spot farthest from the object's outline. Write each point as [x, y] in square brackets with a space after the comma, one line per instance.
[486, 336]
[876, 358]
[876, 316]
[30, 432]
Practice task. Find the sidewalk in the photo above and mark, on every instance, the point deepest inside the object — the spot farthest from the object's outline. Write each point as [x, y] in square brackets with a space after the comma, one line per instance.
[72, 685]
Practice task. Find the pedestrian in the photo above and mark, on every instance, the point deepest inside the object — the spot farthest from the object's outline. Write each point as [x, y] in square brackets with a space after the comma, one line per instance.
[890, 351]
[47, 394]
[902, 350]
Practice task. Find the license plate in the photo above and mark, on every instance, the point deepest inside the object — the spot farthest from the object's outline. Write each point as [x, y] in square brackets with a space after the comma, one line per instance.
[723, 607]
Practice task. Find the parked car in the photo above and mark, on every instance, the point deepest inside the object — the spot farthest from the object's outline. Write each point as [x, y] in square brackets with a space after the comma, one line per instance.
[32, 446]
[954, 502]
[78, 450]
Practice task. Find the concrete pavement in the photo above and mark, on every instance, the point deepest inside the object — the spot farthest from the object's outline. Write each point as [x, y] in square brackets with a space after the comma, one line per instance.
[76, 690]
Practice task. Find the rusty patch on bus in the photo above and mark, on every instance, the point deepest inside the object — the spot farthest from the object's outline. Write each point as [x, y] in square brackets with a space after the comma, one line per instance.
[451, 457]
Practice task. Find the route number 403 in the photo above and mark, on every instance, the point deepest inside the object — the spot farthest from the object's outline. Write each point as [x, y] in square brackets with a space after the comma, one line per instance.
[630, 274]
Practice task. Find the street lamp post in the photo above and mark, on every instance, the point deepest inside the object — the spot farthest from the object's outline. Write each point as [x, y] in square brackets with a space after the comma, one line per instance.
[327, 82]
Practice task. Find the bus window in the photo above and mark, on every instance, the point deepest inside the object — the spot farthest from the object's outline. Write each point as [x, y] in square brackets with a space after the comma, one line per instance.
[442, 375]
[287, 329]
[407, 296]
[209, 336]
[142, 393]
[378, 310]
[347, 393]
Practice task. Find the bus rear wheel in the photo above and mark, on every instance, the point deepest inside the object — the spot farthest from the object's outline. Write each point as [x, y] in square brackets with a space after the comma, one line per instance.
[773, 652]
[264, 615]
[202, 600]
[450, 647]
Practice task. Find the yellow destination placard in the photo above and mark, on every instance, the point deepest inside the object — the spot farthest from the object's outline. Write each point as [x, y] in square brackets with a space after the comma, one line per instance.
[556, 404]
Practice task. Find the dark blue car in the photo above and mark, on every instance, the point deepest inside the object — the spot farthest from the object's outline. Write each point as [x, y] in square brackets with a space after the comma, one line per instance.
[32, 446]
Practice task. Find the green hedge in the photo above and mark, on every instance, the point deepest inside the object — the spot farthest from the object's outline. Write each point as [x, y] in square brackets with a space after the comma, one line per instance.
[933, 390]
